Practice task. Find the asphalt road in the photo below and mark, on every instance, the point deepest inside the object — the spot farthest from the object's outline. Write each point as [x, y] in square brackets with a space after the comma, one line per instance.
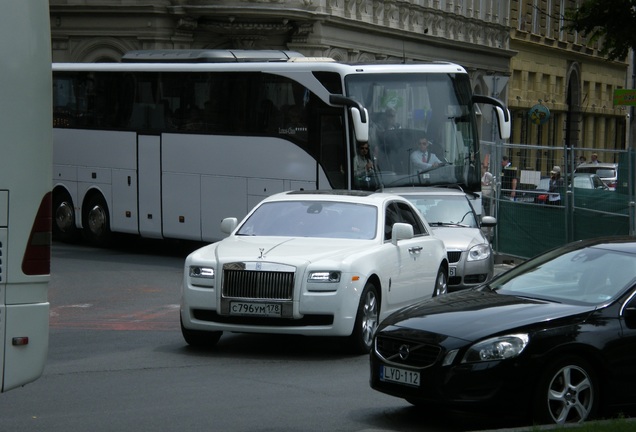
[117, 362]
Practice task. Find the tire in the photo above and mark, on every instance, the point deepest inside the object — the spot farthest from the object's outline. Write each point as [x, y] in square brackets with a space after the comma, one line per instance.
[568, 392]
[441, 283]
[367, 320]
[96, 221]
[64, 227]
[200, 339]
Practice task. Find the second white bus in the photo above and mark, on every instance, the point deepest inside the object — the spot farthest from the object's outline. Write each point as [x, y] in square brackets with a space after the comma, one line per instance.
[25, 186]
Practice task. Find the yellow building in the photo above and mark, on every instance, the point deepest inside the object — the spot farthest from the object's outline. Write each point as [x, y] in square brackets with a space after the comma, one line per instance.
[563, 72]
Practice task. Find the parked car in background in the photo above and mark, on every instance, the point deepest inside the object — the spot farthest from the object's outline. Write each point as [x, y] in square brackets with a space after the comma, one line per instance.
[608, 172]
[588, 181]
[538, 194]
[454, 220]
[541, 194]
[323, 263]
[553, 339]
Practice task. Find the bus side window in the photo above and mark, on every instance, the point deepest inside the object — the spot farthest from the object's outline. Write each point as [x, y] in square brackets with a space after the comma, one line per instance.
[268, 116]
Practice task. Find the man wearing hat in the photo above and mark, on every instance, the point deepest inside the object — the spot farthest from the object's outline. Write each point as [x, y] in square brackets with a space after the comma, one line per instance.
[556, 184]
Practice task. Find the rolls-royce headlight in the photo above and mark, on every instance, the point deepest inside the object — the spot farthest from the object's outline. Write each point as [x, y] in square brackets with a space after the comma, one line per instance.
[324, 276]
[479, 252]
[498, 348]
[202, 272]
[201, 276]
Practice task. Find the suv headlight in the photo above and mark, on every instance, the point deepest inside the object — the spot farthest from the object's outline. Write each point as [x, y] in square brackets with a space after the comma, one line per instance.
[479, 252]
[498, 348]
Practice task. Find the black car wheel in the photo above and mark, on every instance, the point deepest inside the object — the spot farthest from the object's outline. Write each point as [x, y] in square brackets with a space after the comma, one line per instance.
[367, 320]
[200, 339]
[567, 393]
[441, 283]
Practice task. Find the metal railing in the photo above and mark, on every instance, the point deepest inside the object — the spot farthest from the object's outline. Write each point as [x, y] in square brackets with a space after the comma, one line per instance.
[531, 219]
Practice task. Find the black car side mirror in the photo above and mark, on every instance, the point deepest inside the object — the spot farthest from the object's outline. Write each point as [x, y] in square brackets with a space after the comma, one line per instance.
[630, 317]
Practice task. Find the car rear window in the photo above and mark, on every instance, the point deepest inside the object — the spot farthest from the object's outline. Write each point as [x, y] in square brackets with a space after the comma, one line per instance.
[605, 172]
[601, 172]
[588, 170]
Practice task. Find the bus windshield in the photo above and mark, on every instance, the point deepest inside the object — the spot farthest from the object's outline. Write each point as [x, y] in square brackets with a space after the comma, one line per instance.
[407, 108]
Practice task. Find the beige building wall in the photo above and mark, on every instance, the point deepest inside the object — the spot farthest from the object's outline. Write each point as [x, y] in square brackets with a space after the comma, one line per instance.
[566, 74]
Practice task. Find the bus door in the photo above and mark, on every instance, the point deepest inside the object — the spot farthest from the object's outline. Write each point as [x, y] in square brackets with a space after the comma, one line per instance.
[149, 184]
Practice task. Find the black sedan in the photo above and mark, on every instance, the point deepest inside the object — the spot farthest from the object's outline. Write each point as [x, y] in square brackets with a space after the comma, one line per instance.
[553, 339]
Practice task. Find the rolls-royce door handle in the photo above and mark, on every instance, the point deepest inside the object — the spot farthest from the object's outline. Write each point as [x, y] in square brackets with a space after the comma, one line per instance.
[415, 250]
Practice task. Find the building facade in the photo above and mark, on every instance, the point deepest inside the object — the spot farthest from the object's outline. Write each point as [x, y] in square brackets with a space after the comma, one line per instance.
[565, 74]
[515, 50]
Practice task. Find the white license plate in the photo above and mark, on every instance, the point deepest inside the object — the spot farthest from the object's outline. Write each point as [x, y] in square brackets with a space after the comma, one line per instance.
[255, 309]
[401, 376]
[452, 271]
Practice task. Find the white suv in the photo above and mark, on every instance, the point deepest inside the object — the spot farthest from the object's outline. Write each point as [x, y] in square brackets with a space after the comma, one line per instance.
[453, 219]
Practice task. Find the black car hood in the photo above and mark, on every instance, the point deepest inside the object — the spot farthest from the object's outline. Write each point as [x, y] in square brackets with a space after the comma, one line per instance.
[472, 315]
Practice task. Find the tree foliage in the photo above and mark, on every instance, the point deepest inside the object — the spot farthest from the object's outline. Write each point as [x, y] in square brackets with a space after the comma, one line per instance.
[610, 22]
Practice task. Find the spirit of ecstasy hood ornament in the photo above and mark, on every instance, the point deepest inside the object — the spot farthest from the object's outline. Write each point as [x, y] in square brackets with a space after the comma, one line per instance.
[261, 250]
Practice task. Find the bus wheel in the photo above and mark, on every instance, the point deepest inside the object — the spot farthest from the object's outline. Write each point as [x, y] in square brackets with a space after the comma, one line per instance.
[96, 221]
[64, 228]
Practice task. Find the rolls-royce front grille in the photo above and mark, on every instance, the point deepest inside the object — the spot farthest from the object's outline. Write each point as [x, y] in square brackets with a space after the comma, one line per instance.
[254, 284]
[407, 353]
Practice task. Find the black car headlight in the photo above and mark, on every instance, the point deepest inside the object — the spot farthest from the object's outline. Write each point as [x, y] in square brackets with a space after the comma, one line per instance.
[497, 348]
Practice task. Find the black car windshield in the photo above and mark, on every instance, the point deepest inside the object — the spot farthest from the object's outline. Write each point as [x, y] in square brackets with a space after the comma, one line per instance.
[591, 275]
[452, 210]
[328, 219]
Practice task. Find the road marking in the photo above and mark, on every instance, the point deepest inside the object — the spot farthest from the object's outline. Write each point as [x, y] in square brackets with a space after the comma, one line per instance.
[85, 316]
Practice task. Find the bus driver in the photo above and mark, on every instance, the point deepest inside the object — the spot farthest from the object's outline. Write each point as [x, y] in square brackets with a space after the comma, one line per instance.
[422, 159]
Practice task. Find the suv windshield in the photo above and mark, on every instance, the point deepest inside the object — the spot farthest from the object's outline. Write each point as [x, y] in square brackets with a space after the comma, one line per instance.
[445, 210]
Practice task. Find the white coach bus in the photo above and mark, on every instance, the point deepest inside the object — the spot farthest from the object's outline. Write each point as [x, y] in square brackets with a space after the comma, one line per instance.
[25, 186]
[167, 143]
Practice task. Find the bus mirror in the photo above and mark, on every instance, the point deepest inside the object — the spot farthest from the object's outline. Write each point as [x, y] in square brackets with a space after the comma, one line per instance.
[503, 115]
[503, 121]
[359, 115]
[360, 127]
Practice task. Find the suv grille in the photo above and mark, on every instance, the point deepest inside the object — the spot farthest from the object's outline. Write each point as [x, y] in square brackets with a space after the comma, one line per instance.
[454, 256]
